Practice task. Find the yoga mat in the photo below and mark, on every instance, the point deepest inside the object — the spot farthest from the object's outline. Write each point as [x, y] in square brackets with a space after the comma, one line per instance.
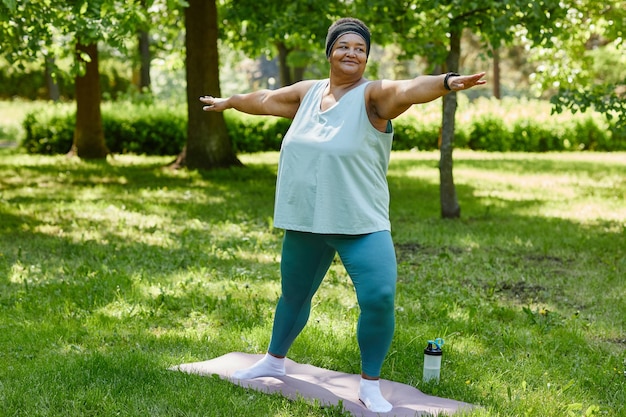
[326, 386]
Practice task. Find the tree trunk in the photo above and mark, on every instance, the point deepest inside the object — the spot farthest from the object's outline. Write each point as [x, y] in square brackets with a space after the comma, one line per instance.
[144, 60]
[298, 74]
[141, 75]
[52, 86]
[88, 134]
[208, 144]
[447, 192]
[283, 67]
[496, 73]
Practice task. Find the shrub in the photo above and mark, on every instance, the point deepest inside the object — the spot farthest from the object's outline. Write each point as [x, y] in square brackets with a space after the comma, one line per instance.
[47, 133]
[161, 130]
[489, 134]
[587, 135]
[150, 130]
[409, 133]
[618, 137]
[255, 133]
[528, 136]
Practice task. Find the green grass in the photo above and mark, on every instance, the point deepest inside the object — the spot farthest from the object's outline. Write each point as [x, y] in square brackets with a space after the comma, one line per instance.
[112, 272]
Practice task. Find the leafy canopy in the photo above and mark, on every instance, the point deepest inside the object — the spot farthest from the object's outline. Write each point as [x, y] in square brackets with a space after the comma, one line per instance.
[51, 28]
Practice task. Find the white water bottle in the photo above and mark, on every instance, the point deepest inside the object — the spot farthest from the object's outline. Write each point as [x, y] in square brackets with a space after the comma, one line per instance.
[432, 360]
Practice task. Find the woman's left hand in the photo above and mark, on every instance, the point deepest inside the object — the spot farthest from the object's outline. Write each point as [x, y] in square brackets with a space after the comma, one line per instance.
[463, 82]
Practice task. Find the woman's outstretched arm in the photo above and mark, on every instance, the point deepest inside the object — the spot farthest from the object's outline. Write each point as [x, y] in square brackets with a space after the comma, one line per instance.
[283, 102]
[389, 99]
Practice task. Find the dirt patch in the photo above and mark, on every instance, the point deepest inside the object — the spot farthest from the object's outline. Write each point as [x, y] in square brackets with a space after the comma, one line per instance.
[545, 259]
[617, 340]
[406, 252]
[521, 290]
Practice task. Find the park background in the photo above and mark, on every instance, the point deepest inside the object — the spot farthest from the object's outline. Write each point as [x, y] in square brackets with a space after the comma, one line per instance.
[136, 229]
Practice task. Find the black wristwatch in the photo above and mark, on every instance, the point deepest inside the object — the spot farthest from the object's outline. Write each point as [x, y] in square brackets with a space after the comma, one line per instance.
[445, 80]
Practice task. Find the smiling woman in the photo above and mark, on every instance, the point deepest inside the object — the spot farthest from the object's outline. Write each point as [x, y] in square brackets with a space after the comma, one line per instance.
[332, 195]
[344, 27]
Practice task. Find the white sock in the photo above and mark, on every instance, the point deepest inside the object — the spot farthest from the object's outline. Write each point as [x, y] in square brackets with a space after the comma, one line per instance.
[370, 395]
[268, 366]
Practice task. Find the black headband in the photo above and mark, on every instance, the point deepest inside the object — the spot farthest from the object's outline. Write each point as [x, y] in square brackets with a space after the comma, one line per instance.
[341, 29]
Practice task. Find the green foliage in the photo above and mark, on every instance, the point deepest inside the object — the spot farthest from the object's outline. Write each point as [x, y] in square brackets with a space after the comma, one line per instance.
[588, 135]
[281, 29]
[604, 98]
[26, 83]
[528, 134]
[489, 134]
[150, 130]
[493, 134]
[143, 129]
[258, 26]
[30, 83]
[49, 29]
[48, 134]
[153, 129]
[409, 133]
[255, 134]
[404, 135]
[560, 38]
[9, 4]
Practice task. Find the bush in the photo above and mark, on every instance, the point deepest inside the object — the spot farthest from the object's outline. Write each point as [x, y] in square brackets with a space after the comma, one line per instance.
[409, 133]
[618, 137]
[489, 134]
[587, 135]
[146, 129]
[255, 133]
[149, 130]
[159, 130]
[530, 136]
[141, 129]
[48, 133]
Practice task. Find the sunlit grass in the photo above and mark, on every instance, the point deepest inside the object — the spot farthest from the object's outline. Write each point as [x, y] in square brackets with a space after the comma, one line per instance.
[112, 272]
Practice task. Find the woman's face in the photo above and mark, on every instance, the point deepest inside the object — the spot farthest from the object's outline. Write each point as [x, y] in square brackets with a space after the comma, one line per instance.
[349, 54]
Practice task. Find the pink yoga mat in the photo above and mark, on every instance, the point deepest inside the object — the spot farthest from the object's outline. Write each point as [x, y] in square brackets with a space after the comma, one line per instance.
[327, 387]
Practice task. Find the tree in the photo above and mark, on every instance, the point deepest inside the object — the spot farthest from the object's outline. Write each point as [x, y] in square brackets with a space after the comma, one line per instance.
[162, 19]
[590, 65]
[433, 29]
[45, 28]
[208, 144]
[89, 140]
[143, 50]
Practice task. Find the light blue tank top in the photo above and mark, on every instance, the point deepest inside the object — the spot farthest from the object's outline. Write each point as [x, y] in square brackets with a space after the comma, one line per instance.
[332, 171]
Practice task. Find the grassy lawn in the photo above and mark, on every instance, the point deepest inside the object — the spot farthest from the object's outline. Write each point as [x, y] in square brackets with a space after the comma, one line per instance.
[112, 272]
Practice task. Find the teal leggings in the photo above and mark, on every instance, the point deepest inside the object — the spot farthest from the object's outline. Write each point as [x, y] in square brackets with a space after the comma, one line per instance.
[370, 261]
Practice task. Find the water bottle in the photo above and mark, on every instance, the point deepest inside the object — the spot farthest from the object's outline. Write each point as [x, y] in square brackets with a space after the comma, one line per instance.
[432, 360]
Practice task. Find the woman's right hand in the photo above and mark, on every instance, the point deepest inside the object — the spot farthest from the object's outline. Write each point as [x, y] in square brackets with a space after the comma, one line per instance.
[214, 103]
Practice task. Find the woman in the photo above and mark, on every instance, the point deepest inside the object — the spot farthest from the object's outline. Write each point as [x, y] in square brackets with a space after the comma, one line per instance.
[332, 195]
